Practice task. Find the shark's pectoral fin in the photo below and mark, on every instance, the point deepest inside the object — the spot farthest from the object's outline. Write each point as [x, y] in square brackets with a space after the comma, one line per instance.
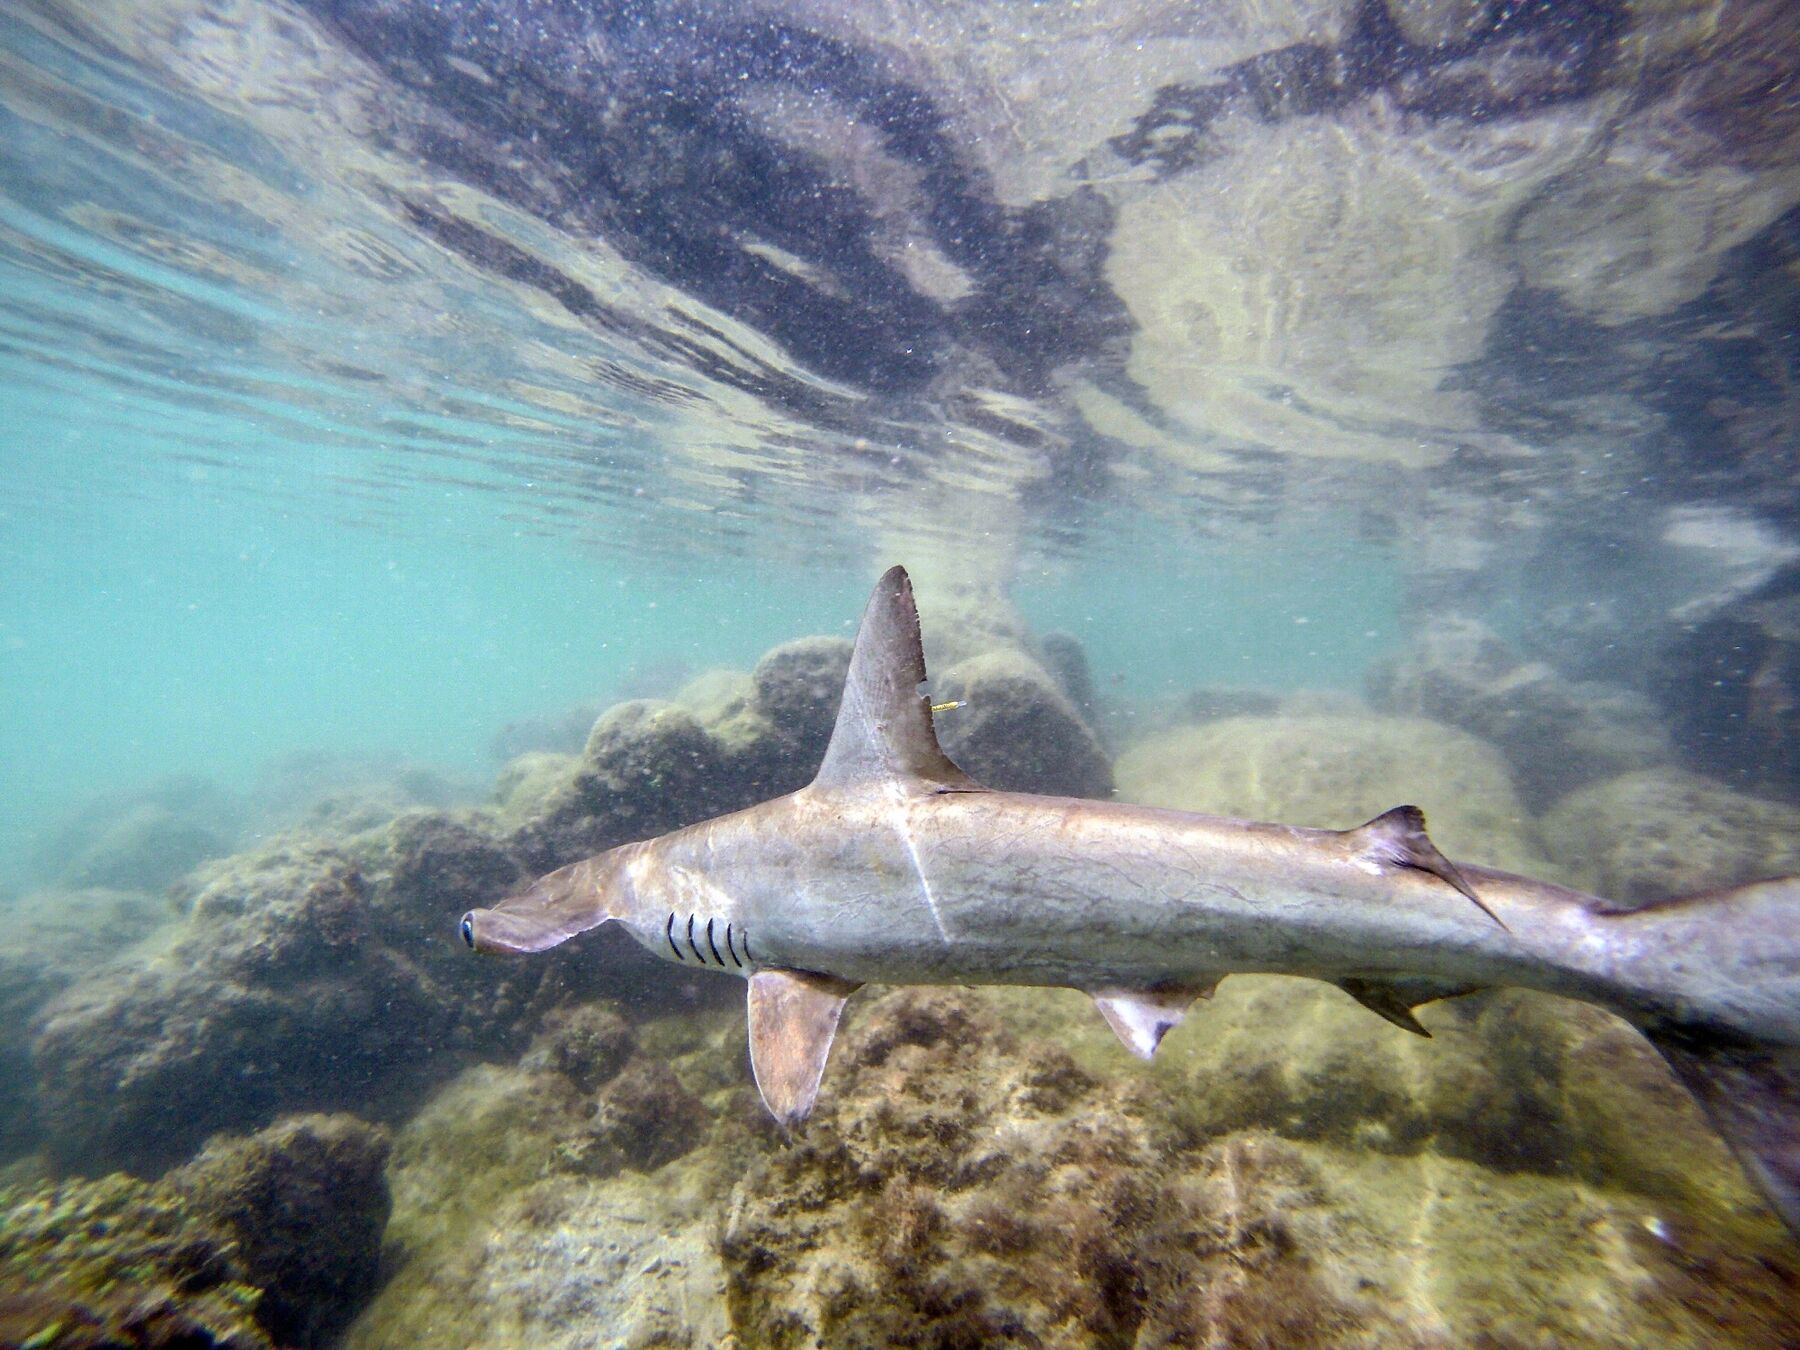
[793, 1017]
[1397, 838]
[1142, 1018]
[1395, 999]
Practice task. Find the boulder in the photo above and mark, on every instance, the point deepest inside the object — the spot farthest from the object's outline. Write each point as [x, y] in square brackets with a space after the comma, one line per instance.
[1557, 733]
[1015, 730]
[1662, 833]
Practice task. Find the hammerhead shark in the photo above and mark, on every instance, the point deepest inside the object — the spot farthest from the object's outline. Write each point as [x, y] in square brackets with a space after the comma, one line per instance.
[893, 866]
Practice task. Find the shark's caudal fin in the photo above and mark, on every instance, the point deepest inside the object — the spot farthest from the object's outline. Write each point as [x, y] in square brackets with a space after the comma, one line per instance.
[1752, 1094]
[884, 730]
[1741, 948]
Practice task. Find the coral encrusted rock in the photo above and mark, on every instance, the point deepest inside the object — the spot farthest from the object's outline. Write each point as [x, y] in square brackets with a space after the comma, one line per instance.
[273, 1240]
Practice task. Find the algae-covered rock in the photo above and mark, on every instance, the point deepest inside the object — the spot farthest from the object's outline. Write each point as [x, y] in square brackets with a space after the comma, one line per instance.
[959, 1187]
[306, 1202]
[1016, 730]
[1662, 833]
[141, 838]
[587, 1043]
[119, 1262]
[1337, 771]
[502, 1236]
[439, 864]
[648, 767]
[798, 687]
[144, 850]
[966, 1181]
[53, 939]
[277, 995]
[266, 1241]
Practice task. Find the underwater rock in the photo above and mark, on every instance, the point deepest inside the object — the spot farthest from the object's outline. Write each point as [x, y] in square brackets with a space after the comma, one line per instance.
[54, 939]
[959, 1188]
[1730, 685]
[439, 865]
[277, 995]
[1211, 704]
[1663, 833]
[642, 1119]
[588, 1044]
[333, 796]
[1556, 733]
[648, 767]
[965, 1181]
[140, 839]
[143, 850]
[501, 1237]
[560, 733]
[756, 759]
[1016, 731]
[89, 1265]
[1337, 771]
[265, 1241]
[528, 787]
[798, 687]
[305, 1202]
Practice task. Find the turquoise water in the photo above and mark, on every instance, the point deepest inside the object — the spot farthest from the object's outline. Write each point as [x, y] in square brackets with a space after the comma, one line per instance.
[264, 496]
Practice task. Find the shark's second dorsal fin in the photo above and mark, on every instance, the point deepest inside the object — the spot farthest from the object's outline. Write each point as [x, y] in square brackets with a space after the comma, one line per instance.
[884, 730]
[1397, 838]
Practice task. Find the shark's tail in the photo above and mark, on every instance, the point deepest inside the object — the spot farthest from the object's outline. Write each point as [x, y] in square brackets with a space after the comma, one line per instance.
[1729, 1024]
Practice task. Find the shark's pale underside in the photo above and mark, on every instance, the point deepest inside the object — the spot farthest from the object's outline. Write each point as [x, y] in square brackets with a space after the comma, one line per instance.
[895, 867]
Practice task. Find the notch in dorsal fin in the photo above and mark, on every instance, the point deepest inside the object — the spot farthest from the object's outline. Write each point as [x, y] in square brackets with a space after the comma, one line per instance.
[793, 1018]
[1397, 838]
[884, 730]
[1141, 1018]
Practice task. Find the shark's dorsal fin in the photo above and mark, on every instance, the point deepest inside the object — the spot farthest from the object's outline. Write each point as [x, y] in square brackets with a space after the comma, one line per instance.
[884, 731]
[793, 1017]
[1141, 1018]
[1397, 838]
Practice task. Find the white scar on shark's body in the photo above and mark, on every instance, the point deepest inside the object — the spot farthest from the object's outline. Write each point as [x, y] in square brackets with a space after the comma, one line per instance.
[895, 867]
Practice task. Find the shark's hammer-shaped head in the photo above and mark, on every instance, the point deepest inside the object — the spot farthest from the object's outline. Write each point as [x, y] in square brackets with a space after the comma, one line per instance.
[554, 908]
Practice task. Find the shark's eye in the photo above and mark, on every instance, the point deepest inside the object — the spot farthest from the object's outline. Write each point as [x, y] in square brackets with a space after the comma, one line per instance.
[467, 929]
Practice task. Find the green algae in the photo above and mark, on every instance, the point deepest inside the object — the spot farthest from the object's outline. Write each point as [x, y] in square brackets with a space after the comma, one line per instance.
[118, 1262]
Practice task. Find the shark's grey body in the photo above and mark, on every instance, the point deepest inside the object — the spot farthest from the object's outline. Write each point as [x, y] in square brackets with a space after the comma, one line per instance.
[894, 867]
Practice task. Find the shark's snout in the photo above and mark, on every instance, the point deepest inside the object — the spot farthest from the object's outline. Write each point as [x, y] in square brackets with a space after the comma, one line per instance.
[548, 911]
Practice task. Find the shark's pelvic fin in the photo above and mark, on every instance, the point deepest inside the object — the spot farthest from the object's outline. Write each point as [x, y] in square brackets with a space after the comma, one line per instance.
[1395, 999]
[884, 731]
[793, 1017]
[1142, 1018]
[1397, 838]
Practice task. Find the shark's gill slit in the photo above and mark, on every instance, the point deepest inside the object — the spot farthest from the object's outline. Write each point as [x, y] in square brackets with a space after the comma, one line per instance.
[670, 932]
[692, 945]
[733, 950]
[712, 944]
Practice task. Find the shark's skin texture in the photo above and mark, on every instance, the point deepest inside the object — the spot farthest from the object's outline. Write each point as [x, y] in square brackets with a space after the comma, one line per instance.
[894, 867]
[960, 887]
